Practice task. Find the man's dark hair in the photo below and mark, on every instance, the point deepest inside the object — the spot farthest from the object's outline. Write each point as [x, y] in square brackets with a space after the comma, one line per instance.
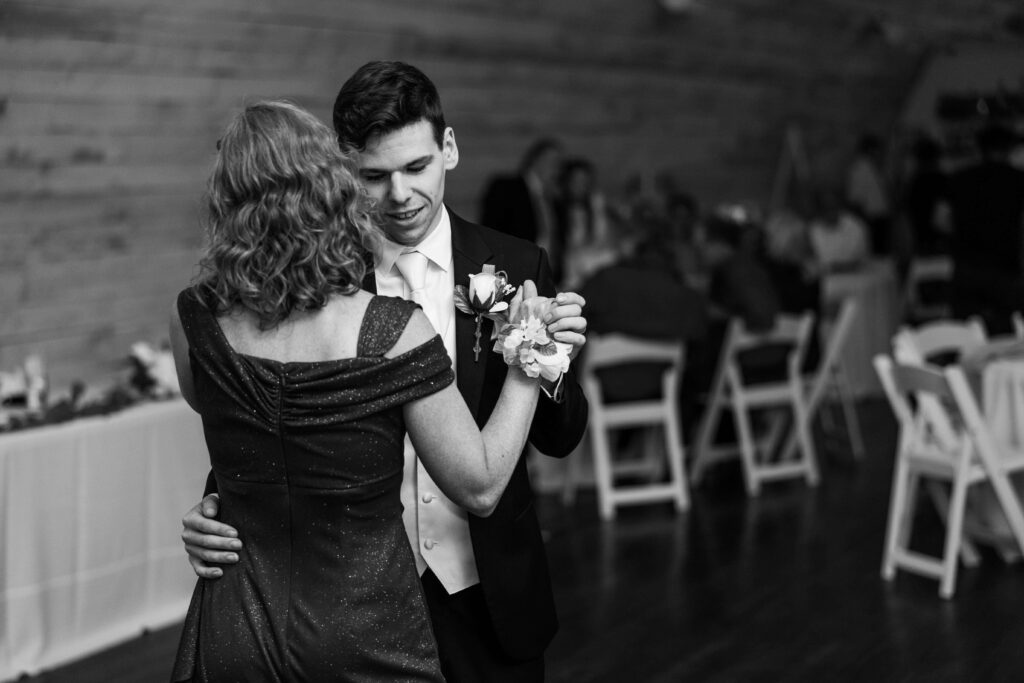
[382, 97]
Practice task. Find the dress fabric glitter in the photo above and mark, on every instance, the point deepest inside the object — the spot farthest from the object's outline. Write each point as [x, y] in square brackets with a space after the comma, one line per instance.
[308, 462]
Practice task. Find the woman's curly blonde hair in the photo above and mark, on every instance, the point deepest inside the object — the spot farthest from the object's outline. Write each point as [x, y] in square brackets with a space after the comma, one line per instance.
[288, 224]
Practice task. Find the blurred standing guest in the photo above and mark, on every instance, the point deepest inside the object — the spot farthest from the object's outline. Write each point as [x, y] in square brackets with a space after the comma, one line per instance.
[643, 295]
[521, 204]
[925, 202]
[582, 219]
[867, 193]
[838, 238]
[987, 202]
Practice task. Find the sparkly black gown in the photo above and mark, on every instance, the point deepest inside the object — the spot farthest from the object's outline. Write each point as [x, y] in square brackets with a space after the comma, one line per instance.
[308, 461]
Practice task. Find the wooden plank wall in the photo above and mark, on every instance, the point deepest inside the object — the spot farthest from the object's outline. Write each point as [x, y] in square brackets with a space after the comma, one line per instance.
[109, 110]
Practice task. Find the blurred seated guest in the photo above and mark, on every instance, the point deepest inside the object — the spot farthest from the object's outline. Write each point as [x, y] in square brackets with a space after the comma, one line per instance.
[582, 219]
[925, 204]
[520, 204]
[793, 267]
[838, 237]
[987, 202]
[740, 287]
[867, 192]
[643, 295]
[683, 215]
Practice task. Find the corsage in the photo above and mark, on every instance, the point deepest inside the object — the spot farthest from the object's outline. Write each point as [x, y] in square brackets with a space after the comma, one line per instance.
[524, 343]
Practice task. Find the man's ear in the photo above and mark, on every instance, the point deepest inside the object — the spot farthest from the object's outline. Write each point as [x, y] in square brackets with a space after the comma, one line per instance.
[449, 150]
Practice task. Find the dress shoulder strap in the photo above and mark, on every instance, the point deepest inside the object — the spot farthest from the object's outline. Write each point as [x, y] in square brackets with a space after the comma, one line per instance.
[383, 323]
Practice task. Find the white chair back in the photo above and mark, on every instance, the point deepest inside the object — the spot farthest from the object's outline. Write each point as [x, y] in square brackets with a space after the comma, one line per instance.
[924, 342]
[606, 351]
[925, 269]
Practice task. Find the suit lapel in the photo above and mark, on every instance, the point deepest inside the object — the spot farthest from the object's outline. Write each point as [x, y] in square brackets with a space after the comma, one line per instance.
[469, 252]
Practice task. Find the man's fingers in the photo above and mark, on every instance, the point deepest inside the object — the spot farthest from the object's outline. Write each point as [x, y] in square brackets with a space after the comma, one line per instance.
[576, 323]
[203, 570]
[570, 298]
[211, 505]
[213, 540]
[566, 317]
[205, 555]
[575, 338]
[204, 525]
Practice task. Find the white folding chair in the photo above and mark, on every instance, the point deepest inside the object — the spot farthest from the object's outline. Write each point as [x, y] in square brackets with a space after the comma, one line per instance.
[942, 437]
[606, 351]
[1018, 324]
[831, 378]
[922, 271]
[924, 343]
[730, 392]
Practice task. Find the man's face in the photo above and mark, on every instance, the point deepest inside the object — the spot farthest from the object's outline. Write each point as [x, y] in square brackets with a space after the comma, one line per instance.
[404, 173]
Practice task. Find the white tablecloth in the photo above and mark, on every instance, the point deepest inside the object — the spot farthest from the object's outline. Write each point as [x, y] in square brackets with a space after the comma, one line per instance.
[875, 288]
[90, 547]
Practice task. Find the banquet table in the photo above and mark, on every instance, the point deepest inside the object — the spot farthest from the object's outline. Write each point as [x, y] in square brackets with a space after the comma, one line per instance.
[875, 288]
[90, 538]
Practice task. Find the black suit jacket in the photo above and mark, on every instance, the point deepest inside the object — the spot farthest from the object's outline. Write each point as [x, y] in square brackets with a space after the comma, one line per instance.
[509, 550]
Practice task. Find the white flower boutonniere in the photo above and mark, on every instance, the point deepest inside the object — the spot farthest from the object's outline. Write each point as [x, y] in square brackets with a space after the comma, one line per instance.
[485, 298]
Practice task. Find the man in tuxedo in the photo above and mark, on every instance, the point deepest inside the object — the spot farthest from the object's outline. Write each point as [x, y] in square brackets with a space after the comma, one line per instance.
[486, 580]
[521, 204]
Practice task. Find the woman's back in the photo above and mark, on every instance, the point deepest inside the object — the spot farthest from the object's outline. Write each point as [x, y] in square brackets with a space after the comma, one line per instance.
[305, 432]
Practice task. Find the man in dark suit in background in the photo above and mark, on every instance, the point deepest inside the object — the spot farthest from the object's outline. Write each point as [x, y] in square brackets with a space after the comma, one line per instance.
[486, 580]
[521, 204]
[987, 202]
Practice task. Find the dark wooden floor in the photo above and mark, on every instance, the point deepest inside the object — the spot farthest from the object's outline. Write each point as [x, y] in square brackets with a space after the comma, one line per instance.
[785, 587]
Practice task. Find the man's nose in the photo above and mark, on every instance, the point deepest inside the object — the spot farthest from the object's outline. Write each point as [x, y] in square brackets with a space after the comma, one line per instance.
[399, 189]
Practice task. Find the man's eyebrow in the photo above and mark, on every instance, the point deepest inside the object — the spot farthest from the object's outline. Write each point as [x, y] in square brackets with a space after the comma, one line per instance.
[425, 159]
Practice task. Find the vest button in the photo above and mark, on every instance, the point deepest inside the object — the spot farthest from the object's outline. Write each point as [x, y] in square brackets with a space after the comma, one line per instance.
[427, 497]
[428, 544]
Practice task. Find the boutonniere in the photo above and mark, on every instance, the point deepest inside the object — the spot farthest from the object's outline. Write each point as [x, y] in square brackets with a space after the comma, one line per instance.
[484, 298]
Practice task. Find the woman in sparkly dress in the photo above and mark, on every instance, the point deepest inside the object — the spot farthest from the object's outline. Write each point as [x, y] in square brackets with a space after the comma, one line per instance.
[306, 385]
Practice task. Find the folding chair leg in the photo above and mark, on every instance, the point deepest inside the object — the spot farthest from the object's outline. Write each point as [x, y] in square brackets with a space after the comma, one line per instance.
[968, 551]
[897, 528]
[1011, 506]
[803, 429]
[705, 437]
[747, 450]
[676, 459]
[570, 478]
[849, 414]
[603, 473]
[954, 534]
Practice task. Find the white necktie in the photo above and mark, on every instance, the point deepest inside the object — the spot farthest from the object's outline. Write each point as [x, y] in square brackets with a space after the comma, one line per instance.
[413, 267]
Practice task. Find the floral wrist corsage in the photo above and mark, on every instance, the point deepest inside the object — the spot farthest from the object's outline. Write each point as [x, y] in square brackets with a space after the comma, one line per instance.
[524, 342]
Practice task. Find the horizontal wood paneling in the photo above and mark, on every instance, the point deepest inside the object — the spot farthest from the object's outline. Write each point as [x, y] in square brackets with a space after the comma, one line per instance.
[109, 111]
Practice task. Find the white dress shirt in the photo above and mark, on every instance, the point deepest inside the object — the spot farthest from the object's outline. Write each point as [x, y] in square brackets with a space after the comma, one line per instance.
[438, 528]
